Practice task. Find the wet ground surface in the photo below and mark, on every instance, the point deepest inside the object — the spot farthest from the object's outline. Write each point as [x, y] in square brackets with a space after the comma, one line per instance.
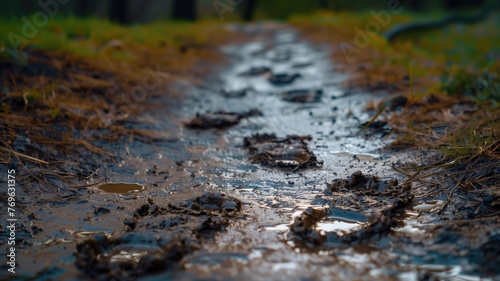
[261, 174]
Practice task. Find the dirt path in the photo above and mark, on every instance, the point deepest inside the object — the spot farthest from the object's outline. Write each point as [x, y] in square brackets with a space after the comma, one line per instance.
[283, 144]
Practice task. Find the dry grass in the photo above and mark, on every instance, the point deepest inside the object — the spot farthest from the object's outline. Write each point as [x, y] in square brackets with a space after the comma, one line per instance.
[450, 110]
[57, 105]
[436, 112]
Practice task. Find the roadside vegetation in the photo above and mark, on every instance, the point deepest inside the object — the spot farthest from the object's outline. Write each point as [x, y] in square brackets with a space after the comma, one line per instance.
[445, 93]
[78, 82]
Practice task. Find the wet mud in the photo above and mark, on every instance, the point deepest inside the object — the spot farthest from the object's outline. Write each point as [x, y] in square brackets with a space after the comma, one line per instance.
[219, 119]
[290, 152]
[294, 193]
[102, 258]
[281, 79]
[256, 71]
[143, 250]
[384, 201]
[303, 95]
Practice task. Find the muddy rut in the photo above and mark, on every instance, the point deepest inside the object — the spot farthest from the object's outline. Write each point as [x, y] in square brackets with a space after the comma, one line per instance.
[263, 176]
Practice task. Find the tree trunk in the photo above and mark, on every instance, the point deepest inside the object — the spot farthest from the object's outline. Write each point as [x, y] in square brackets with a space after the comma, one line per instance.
[118, 11]
[249, 10]
[185, 10]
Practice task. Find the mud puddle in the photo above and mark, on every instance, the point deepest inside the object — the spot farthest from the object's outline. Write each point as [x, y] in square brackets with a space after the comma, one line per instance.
[289, 192]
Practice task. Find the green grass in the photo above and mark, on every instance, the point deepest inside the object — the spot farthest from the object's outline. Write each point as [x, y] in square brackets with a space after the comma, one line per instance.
[85, 37]
[462, 55]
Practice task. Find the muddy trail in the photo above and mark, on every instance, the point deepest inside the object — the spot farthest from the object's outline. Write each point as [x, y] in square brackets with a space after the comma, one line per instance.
[262, 175]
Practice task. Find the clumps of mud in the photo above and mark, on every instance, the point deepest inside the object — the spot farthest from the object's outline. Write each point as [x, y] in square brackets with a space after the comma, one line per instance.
[195, 215]
[162, 236]
[384, 200]
[103, 258]
[369, 188]
[303, 228]
[219, 119]
[209, 202]
[288, 153]
[303, 231]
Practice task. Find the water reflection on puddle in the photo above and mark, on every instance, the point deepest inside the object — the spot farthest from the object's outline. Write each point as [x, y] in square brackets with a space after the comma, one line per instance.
[121, 188]
[124, 256]
[338, 226]
[439, 272]
[285, 266]
[279, 227]
[343, 222]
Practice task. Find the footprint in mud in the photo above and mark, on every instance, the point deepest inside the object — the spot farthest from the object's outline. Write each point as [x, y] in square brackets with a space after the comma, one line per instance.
[120, 258]
[360, 194]
[369, 185]
[303, 95]
[207, 205]
[282, 79]
[302, 64]
[220, 119]
[234, 94]
[184, 228]
[304, 230]
[256, 71]
[359, 191]
[289, 153]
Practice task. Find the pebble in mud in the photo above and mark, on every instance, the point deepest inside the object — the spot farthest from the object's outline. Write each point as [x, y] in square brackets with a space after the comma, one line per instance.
[219, 119]
[289, 153]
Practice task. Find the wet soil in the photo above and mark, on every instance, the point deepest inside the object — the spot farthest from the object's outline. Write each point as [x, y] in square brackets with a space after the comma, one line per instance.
[219, 119]
[142, 252]
[296, 193]
[290, 152]
[303, 95]
[366, 195]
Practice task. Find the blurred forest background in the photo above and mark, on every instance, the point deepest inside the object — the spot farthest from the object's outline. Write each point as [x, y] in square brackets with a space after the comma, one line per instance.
[137, 11]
